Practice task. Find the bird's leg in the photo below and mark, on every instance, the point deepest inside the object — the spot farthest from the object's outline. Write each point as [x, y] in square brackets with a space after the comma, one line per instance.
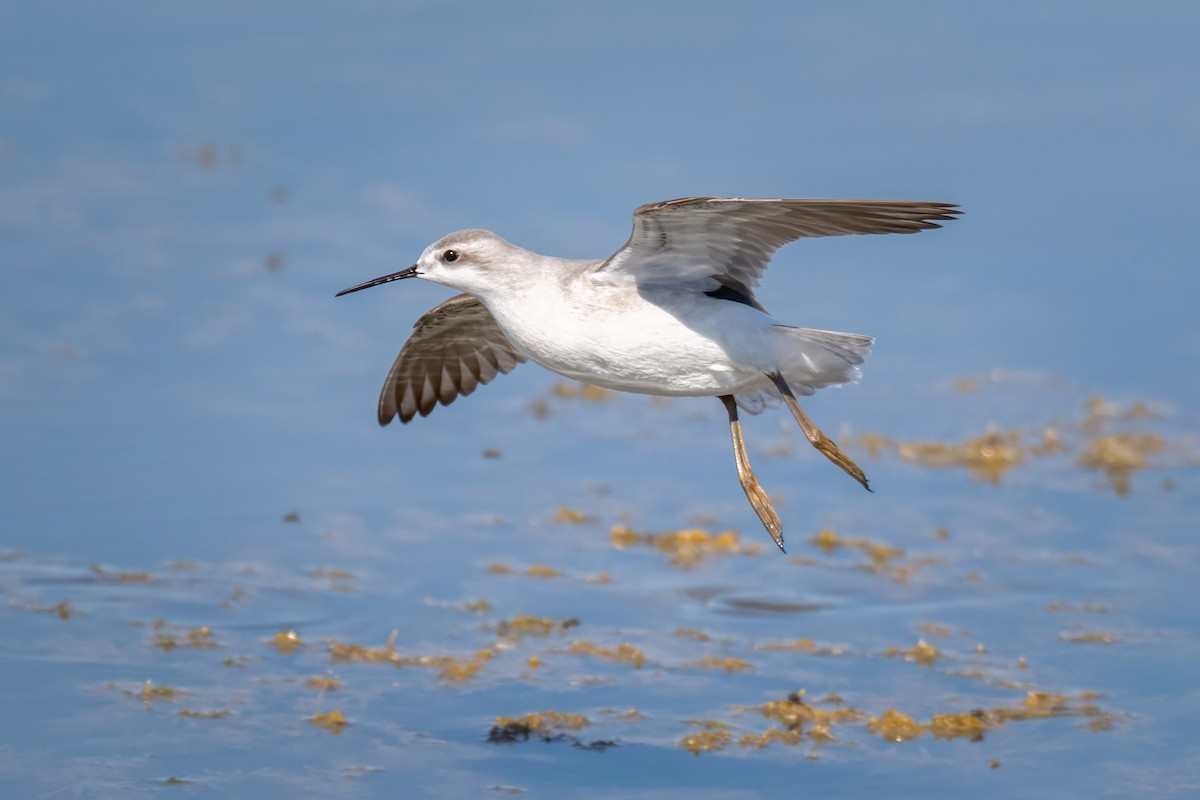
[754, 492]
[819, 440]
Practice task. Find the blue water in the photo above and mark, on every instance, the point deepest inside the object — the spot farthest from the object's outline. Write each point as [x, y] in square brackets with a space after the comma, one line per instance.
[183, 190]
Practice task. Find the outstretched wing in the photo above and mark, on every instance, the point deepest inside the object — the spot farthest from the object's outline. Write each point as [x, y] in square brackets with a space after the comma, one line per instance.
[717, 243]
[454, 347]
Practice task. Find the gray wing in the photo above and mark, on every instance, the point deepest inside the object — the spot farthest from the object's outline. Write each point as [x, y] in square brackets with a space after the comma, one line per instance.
[719, 243]
[454, 347]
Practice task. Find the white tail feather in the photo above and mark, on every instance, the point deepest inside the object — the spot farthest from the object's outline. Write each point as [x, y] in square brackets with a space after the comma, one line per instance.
[811, 359]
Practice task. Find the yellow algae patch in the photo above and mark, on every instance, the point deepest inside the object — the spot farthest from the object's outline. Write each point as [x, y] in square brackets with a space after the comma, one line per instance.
[546, 725]
[1085, 608]
[151, 692]
[1119, 455]
[529, 625]
[934, 629]
[598, 578]
[798, 720]
[628, 715]
[187, 712]
[691, 633]
[685, 548]
[63, 610]
[922, 653]
[971, 725]
[322, 683]
[457, 671]
[332, 574]
[534, 663]
[340, 651]
[546, 722]
[126, 576]
[451, 669]
[582, 391]
[802, 645]
[713, 735]
[1088, 637]
[196, 638]
[333, 721]
[1098, 411]
[794, 712]
[1051, 442]
[624, 653]
[542, 571]
[895, 726]
[571, 516]
[986, 457]
[898, 727]
[477, 606]
[882, 558]
[730, 665]
[875, 443]
[770, 735]
[497, 568]
[286, 642]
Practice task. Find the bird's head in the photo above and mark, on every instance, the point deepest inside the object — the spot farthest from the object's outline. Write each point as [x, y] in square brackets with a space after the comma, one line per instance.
[465, 260]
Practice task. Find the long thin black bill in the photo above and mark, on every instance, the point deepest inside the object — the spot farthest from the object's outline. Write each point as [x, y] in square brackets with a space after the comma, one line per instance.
[411, 272]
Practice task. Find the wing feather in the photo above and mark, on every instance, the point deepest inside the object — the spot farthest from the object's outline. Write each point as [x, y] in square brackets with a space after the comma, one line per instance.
[716, 243]
[454, 348]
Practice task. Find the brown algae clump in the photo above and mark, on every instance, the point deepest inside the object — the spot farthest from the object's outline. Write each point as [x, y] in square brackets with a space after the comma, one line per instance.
[987, 457]
[187, 712]
[803, 646]
[196, 638]
[685, 548]
[922, 653]
[286, 642]
[357, 652]
[1088, 637]
[1119, 455]
[333, 721]
[543, 725]
[730, 664]
[795, 714]
[624, 653]
[529, 625]
[898, 727]
[881, 558]
[150, 692]
[587, 392]
[453, 670]
[895, 726]
[770, 735]
[571, 516]
[691, 633]
[712, 735]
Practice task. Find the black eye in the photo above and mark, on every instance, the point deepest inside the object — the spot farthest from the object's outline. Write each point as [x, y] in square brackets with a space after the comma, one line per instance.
[450, 255]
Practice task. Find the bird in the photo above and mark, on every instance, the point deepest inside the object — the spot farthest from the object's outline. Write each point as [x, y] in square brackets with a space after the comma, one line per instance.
[672, 312]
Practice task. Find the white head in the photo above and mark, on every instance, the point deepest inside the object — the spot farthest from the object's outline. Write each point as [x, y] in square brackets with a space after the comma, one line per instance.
[466, 260]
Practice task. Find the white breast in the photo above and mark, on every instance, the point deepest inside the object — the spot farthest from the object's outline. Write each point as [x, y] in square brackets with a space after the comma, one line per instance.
[612, 336]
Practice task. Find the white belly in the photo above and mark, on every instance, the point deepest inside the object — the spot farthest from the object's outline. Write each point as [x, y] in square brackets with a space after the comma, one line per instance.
[701, 347]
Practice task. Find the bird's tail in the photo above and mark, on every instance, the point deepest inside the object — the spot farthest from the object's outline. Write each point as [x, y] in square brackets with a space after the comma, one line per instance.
[811, 359]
